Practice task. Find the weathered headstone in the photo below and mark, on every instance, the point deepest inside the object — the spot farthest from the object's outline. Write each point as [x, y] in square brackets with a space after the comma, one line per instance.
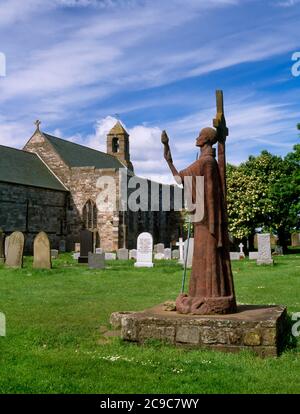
[180, 244]
[122, 254]
[98, 250]
[264, 249]
[253, 255]
[234, 255]
[295, 239]
[110, 256]
[168, 253]
[62, 246]
[278, 251]
[15, 248]
[159, 256]
[96, 260]
[2, 237]
[76, 256]
[132, 254]
[175, 254]
[86, 245]
[54, 253]
[41, 251]
[77, 248]
[144, 250]
[160, 247]
[190, 252]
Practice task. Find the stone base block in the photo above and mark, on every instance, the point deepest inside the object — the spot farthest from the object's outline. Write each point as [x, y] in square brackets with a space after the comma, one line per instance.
[262, 329]
[143, 264]
[265, 262]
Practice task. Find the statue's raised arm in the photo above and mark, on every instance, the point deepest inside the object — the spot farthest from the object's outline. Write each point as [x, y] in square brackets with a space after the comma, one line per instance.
[168, 156]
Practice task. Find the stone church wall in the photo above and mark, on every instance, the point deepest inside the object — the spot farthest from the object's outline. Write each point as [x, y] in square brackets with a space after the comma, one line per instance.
[30, 210]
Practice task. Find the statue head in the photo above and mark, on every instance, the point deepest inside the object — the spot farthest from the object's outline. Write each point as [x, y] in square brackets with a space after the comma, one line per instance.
[207, 136]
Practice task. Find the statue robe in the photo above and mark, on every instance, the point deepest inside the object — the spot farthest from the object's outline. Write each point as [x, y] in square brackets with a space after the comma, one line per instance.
[211, 286]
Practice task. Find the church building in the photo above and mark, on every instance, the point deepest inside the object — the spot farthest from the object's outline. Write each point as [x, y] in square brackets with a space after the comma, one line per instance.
[51, 185]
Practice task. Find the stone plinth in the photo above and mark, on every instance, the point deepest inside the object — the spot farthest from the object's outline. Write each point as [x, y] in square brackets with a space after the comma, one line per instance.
[261, 329]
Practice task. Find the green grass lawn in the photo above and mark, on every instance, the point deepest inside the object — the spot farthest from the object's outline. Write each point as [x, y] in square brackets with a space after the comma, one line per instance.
[55, 323]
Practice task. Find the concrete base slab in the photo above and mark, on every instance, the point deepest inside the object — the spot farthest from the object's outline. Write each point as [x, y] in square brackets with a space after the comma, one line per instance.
[262, 329]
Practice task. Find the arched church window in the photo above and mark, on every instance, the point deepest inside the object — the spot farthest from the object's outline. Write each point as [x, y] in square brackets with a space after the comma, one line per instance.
[89, 215]
[115, 144]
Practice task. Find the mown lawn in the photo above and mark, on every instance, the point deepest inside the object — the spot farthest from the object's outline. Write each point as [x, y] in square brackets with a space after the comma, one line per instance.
[56, 319]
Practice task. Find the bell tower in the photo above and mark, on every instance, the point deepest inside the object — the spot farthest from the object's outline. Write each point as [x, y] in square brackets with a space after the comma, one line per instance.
[117, 144]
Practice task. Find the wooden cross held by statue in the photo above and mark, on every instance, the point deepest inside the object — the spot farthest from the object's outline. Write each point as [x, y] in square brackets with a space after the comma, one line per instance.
[219, 123]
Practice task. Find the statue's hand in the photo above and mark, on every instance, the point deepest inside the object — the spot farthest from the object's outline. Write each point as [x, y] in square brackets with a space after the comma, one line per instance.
[164, 138]
[165, 142]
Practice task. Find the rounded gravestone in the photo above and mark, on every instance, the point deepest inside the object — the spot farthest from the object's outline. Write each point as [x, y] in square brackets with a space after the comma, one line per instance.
[14, 256]
[41, 251]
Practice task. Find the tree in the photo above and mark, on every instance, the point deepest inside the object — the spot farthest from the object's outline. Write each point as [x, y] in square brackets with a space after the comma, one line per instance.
[264, 192]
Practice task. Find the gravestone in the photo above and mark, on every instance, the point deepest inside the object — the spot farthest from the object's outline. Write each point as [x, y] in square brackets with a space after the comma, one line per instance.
[234, 255]
[41, 251]
[295, 239]
[273, 240]
[242, 254]
[175, 254]
[132, 254]
[77, 248]
[62, 246]
[6, 243]
[180, 244]
[160, 247]
[110, 256]
[54, 254]
[96, 260]
[189, 261]
[253, 255]
[76, 256]
[168, 253]
[15, 248]
[264, 249]
[98, 250]
[86, 245]
[2, 237]
[278, 251]
[159, 256]
[144, 250]
[122, 254]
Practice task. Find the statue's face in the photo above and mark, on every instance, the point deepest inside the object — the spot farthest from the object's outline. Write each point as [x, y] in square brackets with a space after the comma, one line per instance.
[201, 140]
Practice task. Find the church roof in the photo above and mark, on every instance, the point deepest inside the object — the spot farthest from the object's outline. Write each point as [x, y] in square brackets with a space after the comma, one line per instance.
[118, 129]
[76, 155]
[26, 168]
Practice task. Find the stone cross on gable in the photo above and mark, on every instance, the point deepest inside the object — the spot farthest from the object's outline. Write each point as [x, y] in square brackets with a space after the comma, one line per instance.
[37, 123]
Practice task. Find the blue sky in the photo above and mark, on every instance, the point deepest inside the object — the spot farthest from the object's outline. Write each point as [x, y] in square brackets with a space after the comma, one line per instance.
[74, 64]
